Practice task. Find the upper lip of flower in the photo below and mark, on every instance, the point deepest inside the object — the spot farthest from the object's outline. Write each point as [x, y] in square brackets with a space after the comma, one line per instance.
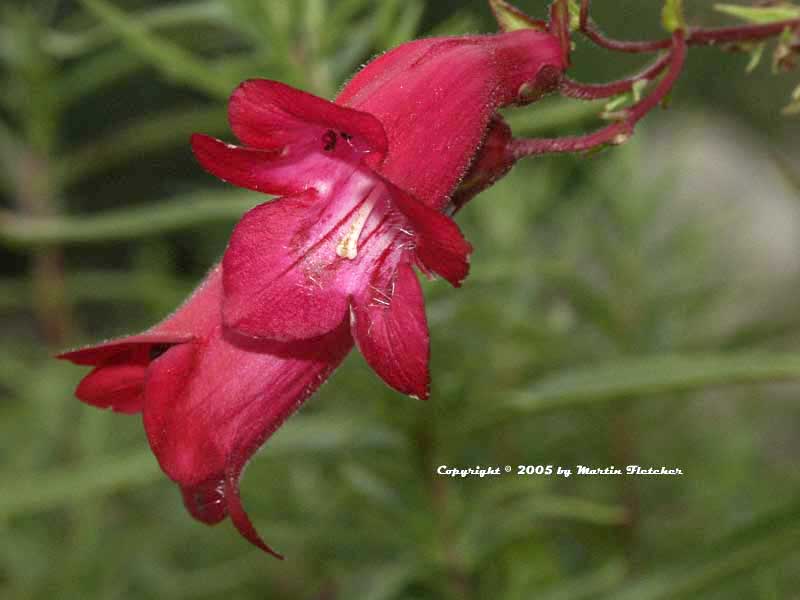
[342, 240]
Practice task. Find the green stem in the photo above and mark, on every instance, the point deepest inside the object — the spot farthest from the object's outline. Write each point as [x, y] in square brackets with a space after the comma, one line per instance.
[126, 224]
[68, 44]
[152, 132]
[173, 61]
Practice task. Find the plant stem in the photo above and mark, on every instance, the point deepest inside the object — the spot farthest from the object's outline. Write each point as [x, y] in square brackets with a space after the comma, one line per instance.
[457, 583]
[699, 36]
[618, 132]
[35, 197]
[595, 91]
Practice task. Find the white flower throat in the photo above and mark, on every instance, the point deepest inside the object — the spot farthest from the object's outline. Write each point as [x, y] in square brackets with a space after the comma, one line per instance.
[348, 245]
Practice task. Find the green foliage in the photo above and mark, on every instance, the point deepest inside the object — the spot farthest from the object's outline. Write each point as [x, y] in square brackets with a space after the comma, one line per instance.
[605, 322]
[781, 11]
[794, 107]
[784, 55]
[672, 15]
[510, 18]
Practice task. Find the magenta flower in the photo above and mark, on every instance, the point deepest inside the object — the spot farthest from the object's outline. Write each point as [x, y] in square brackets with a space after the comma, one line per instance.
[368, 183]
[367, 180]
[207, 404]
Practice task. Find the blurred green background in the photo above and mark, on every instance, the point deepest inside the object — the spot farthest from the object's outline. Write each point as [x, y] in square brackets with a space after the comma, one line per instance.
[635, 307]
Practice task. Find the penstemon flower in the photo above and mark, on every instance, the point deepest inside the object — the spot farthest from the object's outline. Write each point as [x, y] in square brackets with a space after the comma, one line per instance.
[368, 184]
[366, 187]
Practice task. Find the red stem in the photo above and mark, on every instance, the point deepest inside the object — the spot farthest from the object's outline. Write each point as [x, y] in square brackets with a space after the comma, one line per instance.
[559, 26]
[590, 30]
[615, 133]
[745, 33]
[697, 36]
[594, 91]
[593, 33]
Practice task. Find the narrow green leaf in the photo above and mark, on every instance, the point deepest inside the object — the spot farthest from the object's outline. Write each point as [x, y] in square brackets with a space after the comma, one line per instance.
[773, 536]
[589, 586]
[67, 485]
[760, 14]
[615, 103]
[172, 61]
[794, 107]
[151, 132]
[100, 286]
[344, 12]
[510, 18]
[638, 89]
[551, 116]
[181, 212]
[329, 434]
[371, 486]
[672, 15]
[485, 535]
[574, 14]
[68, 44]
[379, 582]
[654, 375]
[456, 24]
[96, 72]
[406, 26]
[576, 509]
[756, 54]
[341, 62]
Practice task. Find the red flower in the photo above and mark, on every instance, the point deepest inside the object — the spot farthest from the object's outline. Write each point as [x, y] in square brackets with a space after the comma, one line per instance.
[368, 182]
[207, 403]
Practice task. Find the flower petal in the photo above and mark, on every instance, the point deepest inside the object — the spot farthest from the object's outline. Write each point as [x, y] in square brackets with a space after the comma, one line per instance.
[117, 382]
[246, 167]
[440, 245]
[97, 354]
[275, 286]
[198, 314]
[119, 387]
[209, 406]
[389, 327]
[435, 98]
[239, 516]
[205, 501]
[299, 141]
[271, 115]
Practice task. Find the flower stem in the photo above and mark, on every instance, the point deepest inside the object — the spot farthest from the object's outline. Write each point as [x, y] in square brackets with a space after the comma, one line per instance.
[619, 131]
[699, 36]
[594, 91]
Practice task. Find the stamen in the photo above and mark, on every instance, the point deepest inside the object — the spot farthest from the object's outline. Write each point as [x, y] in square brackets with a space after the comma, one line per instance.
[348, 246]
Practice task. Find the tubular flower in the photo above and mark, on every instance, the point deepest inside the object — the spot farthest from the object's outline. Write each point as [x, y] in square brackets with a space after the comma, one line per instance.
[207, 403]
[366, 182]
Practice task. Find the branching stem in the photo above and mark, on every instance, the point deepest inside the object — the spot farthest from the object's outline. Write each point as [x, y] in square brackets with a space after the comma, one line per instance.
[619, 131]
[698, 36]
[672, 62]
[595, 91]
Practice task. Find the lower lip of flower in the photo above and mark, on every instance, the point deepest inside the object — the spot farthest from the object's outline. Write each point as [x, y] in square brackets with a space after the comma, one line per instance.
[348, 245]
